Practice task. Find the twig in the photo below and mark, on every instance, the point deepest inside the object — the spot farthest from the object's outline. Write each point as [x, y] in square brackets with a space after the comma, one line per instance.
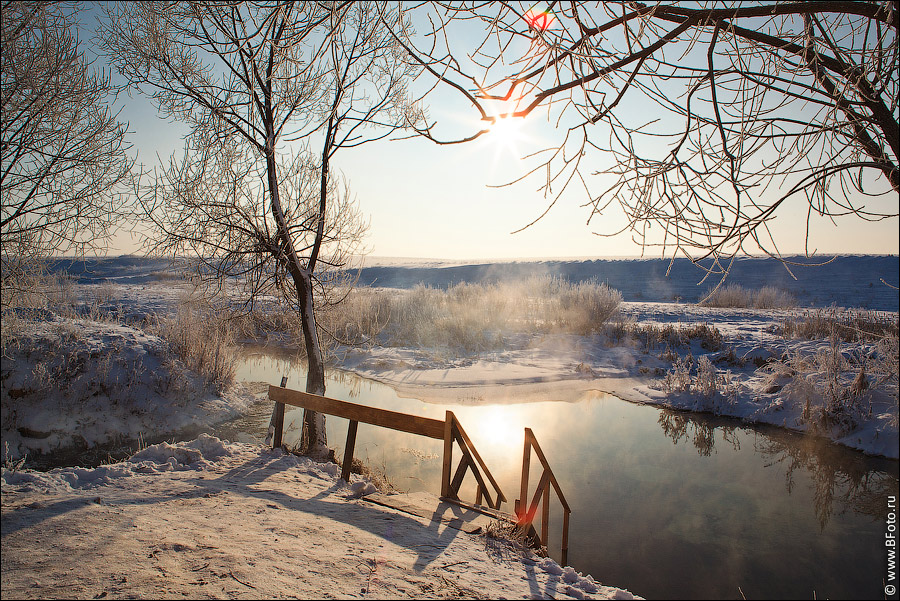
[456, 563]
[200, 568]
[230, 573]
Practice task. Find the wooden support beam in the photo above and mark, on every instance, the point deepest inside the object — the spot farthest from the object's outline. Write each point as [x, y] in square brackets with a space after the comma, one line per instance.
[482, 486]
[543, 460]
[521, 508]
[348, 452]
[279, 425]
[538, 493]
[464, 464]
[480, 461]
[565, 538]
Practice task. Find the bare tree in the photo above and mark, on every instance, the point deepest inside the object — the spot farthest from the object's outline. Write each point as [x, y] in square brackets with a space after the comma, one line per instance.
[704, 120]
[62, 153]
[260, 84]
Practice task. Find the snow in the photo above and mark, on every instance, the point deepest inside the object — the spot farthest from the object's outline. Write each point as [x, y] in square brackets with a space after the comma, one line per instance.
[208, 518]
[119, 382]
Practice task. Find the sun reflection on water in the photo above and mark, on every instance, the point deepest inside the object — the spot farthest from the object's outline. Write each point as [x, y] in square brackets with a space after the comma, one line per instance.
[499, 426]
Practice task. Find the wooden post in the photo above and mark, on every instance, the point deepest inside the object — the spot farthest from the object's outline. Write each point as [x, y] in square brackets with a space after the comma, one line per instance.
[565, 538]
[448, 454]
[545, 516]
[521, 508]
[279, 419]
[348, 453]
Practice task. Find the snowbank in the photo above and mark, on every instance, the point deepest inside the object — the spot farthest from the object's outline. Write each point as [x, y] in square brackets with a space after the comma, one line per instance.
[82, 383]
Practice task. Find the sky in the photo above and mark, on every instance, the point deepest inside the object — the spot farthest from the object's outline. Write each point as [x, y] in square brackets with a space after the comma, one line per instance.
[430, 201]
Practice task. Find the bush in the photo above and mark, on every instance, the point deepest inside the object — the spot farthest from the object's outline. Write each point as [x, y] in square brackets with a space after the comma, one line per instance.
[848, 326]
[651, 336]
[832, 384]
[712, 391]
[203, 340]
[736, 296]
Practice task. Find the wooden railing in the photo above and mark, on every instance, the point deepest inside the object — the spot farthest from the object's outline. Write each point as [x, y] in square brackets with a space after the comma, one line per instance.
[449, 430]
[453, 431]
[525, 514]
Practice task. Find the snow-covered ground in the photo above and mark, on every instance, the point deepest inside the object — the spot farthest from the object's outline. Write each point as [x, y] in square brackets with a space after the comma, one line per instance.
[216, 524]
[212, 519]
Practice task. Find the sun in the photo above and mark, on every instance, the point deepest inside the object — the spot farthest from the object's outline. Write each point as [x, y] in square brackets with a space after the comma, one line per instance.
[505, 134]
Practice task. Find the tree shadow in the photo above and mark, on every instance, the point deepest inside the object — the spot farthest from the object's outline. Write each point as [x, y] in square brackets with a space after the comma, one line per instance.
[427, 541]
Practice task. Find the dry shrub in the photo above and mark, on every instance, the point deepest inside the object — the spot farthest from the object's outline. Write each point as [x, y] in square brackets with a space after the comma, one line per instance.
[848, 325]
[40, 290]
[736, 296]
[203, 340]
[652, 336]
[360, 316]
[713, 391]
[824, 381]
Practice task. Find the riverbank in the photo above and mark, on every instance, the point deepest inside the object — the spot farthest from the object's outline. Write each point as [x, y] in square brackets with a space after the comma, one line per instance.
[735, 363]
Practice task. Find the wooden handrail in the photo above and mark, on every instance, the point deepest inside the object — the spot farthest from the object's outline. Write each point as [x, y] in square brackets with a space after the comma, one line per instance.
[414, 424]
[525, 513]
[529, 434]
[471, 459]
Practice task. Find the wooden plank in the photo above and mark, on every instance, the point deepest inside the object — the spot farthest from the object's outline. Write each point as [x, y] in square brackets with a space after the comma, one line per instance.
[488, 511]
[404, 422]
[480, 461]
[451, 512]
[348, 452]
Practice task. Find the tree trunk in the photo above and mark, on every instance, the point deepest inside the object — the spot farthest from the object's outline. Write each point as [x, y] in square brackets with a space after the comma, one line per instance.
[313, 441]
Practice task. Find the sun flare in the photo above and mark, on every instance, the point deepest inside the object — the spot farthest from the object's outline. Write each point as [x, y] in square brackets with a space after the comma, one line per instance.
[506, 133]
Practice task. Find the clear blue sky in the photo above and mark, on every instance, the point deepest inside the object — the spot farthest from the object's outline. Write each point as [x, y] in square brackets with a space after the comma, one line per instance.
[424, 200]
